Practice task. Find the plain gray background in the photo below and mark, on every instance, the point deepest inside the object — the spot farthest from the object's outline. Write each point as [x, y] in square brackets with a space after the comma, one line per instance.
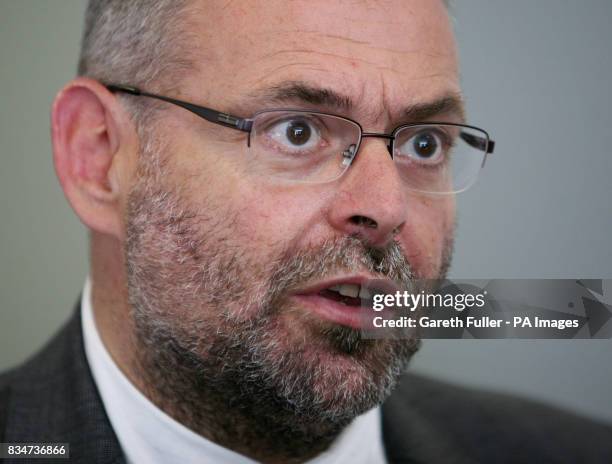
[536, 74]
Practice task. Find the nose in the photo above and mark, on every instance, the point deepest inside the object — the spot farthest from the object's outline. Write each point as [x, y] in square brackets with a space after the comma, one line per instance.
[370, 201]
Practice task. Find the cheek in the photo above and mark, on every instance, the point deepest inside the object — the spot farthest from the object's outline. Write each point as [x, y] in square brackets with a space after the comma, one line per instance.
[274, 217]
[266, 216]
[428, 230]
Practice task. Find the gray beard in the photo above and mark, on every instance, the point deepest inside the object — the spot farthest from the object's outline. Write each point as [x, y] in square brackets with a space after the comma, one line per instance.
[213, 349]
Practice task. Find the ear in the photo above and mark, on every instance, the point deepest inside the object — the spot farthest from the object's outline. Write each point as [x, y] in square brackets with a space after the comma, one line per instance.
[94, 150]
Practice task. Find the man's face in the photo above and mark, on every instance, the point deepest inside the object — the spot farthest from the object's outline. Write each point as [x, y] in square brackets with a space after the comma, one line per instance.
[226, 264]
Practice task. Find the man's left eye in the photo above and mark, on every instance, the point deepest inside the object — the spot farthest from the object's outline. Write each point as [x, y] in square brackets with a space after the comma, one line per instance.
[425, 147]
[298, 133]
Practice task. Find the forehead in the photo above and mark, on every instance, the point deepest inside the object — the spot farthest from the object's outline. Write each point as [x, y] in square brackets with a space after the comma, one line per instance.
[380, 53]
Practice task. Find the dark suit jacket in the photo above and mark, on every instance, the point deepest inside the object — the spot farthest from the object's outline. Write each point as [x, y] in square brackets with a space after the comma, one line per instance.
[53, 398]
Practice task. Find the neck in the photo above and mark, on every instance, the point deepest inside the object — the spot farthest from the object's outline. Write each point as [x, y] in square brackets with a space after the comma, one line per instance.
[109, 295]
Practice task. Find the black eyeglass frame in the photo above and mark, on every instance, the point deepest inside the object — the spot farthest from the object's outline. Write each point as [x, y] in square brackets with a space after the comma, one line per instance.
[246, 124]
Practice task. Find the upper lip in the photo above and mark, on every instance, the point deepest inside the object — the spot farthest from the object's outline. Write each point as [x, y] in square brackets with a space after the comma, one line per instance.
[356, 279]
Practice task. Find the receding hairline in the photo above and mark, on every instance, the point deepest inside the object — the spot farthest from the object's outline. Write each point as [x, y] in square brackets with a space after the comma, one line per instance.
[174, 26]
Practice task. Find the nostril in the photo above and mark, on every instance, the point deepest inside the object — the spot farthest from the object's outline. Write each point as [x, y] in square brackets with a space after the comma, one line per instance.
[364, 221]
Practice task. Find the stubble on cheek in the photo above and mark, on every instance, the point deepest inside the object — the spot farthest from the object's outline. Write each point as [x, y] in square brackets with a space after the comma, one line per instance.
[175, 256]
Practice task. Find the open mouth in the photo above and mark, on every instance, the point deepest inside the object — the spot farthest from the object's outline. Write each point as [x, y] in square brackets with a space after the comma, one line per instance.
[347, 294]
[342, 301]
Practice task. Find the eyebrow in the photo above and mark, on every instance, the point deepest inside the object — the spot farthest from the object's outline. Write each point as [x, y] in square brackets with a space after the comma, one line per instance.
[304, 93]
[451, 104]
[297, 91]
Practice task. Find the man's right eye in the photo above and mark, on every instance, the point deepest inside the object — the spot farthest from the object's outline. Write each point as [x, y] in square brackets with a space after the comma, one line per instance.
[294, 135]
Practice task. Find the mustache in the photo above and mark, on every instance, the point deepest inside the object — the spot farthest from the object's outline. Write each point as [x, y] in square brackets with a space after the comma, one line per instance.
[350, 253]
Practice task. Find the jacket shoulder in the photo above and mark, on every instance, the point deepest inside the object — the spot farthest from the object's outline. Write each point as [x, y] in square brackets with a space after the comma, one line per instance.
[52, 397]
[493, 427]
[37, 374]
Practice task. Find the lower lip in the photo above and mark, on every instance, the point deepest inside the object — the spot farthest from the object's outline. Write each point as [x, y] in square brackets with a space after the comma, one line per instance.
[350, 316]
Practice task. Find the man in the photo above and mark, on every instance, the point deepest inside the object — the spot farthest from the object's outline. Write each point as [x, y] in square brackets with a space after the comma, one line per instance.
[237, 209]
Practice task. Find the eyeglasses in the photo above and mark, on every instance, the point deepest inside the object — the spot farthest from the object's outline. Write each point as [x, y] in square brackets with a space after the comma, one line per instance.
[315, 147]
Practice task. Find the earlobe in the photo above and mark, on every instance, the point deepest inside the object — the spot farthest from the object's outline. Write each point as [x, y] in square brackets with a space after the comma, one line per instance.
[91, 135]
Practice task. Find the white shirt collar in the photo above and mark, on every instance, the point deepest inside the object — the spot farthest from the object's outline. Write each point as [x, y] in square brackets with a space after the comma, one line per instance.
[147, 434]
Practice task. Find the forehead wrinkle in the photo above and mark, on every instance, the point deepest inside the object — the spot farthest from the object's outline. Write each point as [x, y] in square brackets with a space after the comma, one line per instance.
[383, 114]
[351, 57]
[295, 51]
[339, 37]
[371, 46]
[366, 43]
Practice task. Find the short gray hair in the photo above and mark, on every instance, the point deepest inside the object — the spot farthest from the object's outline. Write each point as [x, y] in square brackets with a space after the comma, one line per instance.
[140, 43]
[134, 42]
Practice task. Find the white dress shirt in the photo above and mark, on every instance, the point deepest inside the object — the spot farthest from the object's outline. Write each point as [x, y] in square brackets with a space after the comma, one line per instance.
[148, 435]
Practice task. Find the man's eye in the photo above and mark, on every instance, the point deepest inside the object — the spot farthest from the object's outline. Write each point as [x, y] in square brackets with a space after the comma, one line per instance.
[295, 135]
[427, 147]
[298, 133]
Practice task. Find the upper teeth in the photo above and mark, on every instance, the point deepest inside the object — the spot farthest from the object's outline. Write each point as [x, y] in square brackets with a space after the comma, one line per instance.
[352, 290]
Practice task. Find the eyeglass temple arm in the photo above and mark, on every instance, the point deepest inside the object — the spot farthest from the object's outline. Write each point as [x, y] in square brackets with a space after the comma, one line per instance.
[482, 143]
[211, 115]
